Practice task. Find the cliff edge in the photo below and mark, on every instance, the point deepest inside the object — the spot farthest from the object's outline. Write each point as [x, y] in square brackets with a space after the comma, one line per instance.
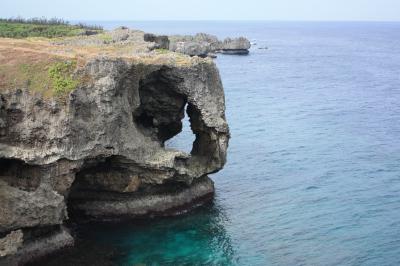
[83, 122]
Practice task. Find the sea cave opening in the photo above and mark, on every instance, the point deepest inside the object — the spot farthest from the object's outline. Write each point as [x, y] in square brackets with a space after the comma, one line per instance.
[164, 111]
[184, 140]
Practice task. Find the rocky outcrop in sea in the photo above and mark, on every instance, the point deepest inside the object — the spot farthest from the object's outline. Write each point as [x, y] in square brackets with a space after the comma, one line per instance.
[98, 151]
[203, 44]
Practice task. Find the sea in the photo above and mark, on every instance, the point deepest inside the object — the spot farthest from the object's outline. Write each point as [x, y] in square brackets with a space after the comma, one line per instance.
[313, 169]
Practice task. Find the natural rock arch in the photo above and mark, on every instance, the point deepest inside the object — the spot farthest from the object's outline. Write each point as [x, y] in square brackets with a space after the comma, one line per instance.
[103, 154]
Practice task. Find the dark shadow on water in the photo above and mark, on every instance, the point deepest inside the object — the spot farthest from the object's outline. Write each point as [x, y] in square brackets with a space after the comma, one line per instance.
[197, 238]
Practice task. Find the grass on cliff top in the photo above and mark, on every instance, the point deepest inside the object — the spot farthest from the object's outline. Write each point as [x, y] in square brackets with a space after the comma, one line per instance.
[51, 76]
[21, 28]
[51, 70]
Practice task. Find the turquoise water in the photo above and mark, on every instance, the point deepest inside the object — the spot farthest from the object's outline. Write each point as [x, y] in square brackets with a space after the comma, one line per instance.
[313, 172]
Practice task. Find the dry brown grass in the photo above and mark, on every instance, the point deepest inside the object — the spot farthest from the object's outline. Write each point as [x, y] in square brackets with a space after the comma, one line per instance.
[24, 63]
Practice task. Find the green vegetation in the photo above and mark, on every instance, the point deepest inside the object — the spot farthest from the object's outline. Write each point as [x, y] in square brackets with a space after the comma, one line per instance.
[60, 74]
[105, 37]
[26, 75]
[41, 27]
[162, 51]
[50, 77]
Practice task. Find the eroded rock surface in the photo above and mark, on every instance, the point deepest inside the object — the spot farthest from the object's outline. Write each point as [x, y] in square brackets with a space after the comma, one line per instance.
[162, 41]
[99, 153]
[203, 44]
[236, 46]
[10, 244]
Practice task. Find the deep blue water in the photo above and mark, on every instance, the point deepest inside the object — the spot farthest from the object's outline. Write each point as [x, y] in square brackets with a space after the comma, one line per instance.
[313, 172]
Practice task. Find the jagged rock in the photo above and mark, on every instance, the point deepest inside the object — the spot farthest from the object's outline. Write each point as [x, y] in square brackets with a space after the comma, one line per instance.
[10, 244]
[203, 44]
[100, 151]
[125, 35]
[212, 40]
[193, 48]
[20, 209]
[240, 43]
[36, 245]
[236, 46]
[162, 41]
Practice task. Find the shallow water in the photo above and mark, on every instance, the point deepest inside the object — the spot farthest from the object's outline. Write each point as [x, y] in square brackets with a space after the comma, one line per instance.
[313, 172]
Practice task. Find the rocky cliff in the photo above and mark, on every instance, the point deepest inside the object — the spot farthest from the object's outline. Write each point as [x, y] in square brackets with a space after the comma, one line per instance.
[201, 44]
[90, 144]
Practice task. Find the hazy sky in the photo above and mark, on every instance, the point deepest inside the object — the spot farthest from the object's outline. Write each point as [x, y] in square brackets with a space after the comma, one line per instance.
[381, 10]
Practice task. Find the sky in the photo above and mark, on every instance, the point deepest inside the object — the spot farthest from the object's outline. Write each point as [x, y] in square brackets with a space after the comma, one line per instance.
[291, 10]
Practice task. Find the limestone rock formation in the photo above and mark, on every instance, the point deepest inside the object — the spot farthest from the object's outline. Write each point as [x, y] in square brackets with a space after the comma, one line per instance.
[99, 153]
[193, 48]
[236, 46]
[203, 44]
[124, 34]
[10, 244]
[162, 41]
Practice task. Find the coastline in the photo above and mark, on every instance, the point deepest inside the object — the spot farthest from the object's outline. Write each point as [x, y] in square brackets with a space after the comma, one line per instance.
[82, 136]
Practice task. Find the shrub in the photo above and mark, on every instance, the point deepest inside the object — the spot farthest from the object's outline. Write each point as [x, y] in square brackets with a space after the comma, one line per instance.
[42, 27]
[60, 74]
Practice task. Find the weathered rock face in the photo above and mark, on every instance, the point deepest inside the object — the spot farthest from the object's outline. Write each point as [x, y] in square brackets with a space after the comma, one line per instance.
[203, 44]
[123, 34]
[11, 243]
[161, 40]
[192, 48]
[101, 154]
[236, 46]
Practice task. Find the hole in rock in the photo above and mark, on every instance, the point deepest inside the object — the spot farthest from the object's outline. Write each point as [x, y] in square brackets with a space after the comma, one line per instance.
[184, 140]
[102, 174]
[98, 178]
[112, 179]
[162, 111]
